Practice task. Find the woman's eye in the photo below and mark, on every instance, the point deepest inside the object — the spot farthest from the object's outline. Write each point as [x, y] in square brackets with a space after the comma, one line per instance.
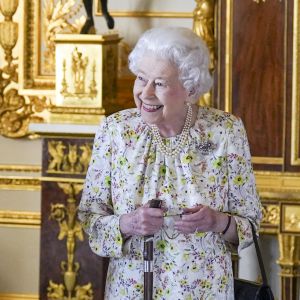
[140, 78]
[160, 84]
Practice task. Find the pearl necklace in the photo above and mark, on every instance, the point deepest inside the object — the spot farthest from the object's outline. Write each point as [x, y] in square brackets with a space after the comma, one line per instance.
[182, 137]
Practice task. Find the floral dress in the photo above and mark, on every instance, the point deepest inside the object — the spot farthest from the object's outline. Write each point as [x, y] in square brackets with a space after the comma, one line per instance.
[127, 170]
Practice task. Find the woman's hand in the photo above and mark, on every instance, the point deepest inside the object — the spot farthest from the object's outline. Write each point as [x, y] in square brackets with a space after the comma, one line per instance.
[143, 221]
[201, 218]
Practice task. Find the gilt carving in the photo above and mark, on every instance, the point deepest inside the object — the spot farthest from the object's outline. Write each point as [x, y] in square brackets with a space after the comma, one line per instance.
[57, 16]
[68, 158]
[203, 26]
[271, 214]
[71, 230]
[16, 111]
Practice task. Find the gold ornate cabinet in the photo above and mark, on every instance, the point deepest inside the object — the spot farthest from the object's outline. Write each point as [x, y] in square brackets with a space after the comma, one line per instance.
[68, 268]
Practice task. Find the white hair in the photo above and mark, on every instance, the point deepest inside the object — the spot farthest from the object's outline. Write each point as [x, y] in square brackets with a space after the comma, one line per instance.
[182, 47]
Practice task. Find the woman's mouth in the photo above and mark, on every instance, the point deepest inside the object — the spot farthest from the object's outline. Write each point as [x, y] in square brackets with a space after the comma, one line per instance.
[151, 108]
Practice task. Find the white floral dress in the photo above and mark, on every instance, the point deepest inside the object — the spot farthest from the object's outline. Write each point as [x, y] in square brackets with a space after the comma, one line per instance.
[127, 169]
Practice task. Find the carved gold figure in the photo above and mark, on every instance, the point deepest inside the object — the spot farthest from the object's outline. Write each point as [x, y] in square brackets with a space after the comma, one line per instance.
[70, 229]
[79, 67]
[79, 64]
[68, 158]
[203, 26]
[56, 151]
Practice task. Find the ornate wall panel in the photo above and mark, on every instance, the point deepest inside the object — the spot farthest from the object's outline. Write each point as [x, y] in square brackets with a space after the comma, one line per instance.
[253, 74]
[258, 79]
[293, 135]
[41, 21]
[68, 268]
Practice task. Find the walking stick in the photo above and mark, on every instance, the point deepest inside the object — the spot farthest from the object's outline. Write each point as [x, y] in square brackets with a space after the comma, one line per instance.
[148, 258]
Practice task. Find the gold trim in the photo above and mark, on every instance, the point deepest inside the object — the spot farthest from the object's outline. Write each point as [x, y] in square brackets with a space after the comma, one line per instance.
[267, 160]
[278, 182]
[277, 173]
[228, 57]
[18, 297]
[20, 168]
[20, 219]
[295, 159]
[144, 14]
[62, 179]
[150, 14]
[20, 183]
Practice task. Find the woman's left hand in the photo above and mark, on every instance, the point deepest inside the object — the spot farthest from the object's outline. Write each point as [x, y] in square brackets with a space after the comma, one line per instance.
[201, 218]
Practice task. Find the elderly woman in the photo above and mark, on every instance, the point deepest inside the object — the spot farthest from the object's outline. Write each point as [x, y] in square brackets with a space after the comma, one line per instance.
[195, 159]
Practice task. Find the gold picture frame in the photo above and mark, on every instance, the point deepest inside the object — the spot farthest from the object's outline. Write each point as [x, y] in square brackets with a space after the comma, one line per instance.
[37, 59]
[143, 13]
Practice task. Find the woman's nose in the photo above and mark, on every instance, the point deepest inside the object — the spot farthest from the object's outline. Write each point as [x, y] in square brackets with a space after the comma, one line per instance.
[148, 89]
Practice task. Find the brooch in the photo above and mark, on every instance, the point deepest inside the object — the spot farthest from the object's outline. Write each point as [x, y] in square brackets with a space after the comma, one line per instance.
[206, 147]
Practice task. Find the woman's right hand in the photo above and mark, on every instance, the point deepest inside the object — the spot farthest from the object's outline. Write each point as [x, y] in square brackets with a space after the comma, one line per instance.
[143, 221]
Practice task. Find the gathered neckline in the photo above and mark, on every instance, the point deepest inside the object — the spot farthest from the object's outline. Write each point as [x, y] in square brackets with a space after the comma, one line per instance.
[175, 137]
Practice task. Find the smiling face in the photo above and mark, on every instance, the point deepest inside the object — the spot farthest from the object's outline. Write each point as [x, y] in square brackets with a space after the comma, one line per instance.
[159, 94]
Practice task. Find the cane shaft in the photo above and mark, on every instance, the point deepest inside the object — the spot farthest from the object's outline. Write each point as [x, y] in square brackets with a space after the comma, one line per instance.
[148, 258]
[148, 285]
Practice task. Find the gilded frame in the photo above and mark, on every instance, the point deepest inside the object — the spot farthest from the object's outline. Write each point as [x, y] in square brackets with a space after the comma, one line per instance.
[228, 73]
[143, 14]
[295, 126]
[31, 78]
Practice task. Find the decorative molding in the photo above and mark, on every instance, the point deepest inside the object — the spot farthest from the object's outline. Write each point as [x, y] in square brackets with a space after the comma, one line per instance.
[271, 214]
[18, 297]
[62, 179]
[143, 14]
[295, 148]
[228, 55]
[262, 1]
[267, 160]
[20, 219]
[16, 111]
[289, 250]
[149, 14]
[20, 183]
[20, 168]
[290, 218]
[278, 182]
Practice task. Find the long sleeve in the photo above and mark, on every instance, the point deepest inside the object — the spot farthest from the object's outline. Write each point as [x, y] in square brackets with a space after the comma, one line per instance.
[96, 209]
[244, 201]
